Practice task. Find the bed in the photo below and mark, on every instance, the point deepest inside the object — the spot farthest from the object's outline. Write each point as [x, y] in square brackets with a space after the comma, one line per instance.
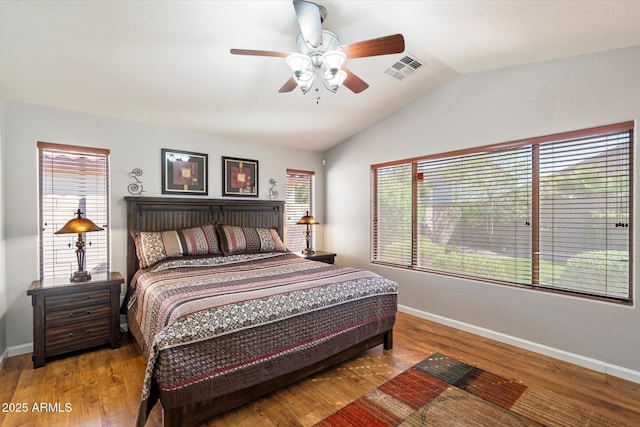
[224, 313]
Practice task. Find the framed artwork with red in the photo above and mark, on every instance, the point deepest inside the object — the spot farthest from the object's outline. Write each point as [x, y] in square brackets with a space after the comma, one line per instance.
[239, 177]
[184, 172]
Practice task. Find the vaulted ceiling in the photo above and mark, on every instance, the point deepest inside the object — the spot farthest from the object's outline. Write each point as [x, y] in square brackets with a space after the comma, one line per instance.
[168, 63]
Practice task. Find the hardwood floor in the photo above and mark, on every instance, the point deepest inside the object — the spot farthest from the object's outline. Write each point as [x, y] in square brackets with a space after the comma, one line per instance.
[102, 387]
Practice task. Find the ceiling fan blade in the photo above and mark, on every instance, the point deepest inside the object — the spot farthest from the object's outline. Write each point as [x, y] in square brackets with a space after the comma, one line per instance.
[353, 82]
[380, 46]
[310, 22]
[253, 52]
[289, 85]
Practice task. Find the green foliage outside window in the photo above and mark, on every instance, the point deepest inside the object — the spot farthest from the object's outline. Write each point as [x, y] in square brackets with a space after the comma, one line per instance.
[303, 193]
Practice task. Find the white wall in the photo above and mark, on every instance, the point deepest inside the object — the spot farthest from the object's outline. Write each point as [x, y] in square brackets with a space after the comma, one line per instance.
[484, 108]
[132, 145]
[3, 276]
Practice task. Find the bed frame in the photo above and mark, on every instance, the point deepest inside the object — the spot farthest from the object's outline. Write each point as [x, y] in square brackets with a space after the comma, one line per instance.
[164, 213]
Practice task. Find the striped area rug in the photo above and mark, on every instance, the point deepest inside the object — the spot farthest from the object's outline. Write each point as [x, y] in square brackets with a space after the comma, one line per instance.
[441, 391]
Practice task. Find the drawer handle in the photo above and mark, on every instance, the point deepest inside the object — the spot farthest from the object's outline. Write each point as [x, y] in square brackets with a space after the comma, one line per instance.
[81, 298]
[77, 334]
[80, 313]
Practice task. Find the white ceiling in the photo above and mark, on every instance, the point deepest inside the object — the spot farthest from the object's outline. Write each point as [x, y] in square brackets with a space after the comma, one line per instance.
[168, 63]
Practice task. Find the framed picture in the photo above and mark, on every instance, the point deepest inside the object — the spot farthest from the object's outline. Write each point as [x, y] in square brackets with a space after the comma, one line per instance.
[239, 177]
[184, 172]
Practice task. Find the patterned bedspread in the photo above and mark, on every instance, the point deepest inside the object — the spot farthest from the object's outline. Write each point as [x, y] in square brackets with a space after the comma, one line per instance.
[243, 311]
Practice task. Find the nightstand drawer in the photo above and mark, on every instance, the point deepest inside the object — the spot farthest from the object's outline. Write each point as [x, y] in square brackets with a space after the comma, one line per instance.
[73, 337]
[77, 299]
[77, 314]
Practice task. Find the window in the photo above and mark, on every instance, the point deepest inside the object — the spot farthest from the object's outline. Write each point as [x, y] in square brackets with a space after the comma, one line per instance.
[300, 199]
[549, 213]
[392, 223]
[72, 178]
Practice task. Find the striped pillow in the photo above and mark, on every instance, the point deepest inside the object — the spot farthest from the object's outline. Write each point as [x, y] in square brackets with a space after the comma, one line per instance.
[236, 240]
[155, 246]
[199, 240]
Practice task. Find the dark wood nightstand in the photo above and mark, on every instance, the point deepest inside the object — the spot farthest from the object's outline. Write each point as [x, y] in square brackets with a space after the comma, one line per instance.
[326, 257]
[70, 316]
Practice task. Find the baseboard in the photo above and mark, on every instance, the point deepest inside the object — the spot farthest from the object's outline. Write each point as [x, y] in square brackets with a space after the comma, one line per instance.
[3, 357]
[17, 350]
[28, 348]
[576, 359]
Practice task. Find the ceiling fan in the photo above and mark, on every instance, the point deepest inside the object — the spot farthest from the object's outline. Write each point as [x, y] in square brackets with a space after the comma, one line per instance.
[321, 58]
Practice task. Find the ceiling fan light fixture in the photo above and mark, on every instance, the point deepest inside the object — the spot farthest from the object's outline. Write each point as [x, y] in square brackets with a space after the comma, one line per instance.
[332, 61]
[305, 82]
[300, 64]
[303, 70]
[334, 82]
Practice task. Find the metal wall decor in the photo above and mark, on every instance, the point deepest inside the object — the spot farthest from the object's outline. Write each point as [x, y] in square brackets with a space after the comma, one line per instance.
[273, 191]
[136, 188]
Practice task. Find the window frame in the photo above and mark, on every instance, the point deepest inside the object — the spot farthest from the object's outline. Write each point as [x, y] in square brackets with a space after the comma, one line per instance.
[49, 243]
[535, 189]
[290, 223]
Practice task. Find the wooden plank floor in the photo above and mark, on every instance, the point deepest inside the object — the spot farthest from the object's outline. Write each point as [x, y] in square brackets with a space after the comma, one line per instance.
[102, 387]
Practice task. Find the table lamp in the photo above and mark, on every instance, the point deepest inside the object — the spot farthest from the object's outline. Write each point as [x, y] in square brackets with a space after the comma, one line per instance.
[309, 221]
[79, 225]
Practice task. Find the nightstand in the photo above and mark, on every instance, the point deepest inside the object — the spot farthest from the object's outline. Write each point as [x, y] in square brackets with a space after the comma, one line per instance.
[326, 257]
[70, 316]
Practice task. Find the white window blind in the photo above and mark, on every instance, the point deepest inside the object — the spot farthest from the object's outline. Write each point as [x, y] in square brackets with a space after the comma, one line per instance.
[392, 215]
[72, 178]
[300, 199]
[474, 212]
[584, 215]
[550, 213]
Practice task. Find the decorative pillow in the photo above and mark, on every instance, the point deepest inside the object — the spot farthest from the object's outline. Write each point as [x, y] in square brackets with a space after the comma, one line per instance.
[235, 240]
[155, 246]
[201, 240]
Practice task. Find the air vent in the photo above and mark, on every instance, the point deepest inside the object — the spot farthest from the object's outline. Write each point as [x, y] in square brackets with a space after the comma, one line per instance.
[404, 67]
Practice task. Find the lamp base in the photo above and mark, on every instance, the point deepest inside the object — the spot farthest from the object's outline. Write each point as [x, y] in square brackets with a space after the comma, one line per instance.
[308, 251]
[80, 276]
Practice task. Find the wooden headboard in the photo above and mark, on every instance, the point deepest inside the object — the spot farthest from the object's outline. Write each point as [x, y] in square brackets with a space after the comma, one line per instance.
[169, 213]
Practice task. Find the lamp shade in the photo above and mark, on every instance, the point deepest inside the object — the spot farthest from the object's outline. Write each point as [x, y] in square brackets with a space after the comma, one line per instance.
[79, 225]
[334, 81]
[305, 81]
[299, 64]
[307, 219]
[332, 61]
[302, 68]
